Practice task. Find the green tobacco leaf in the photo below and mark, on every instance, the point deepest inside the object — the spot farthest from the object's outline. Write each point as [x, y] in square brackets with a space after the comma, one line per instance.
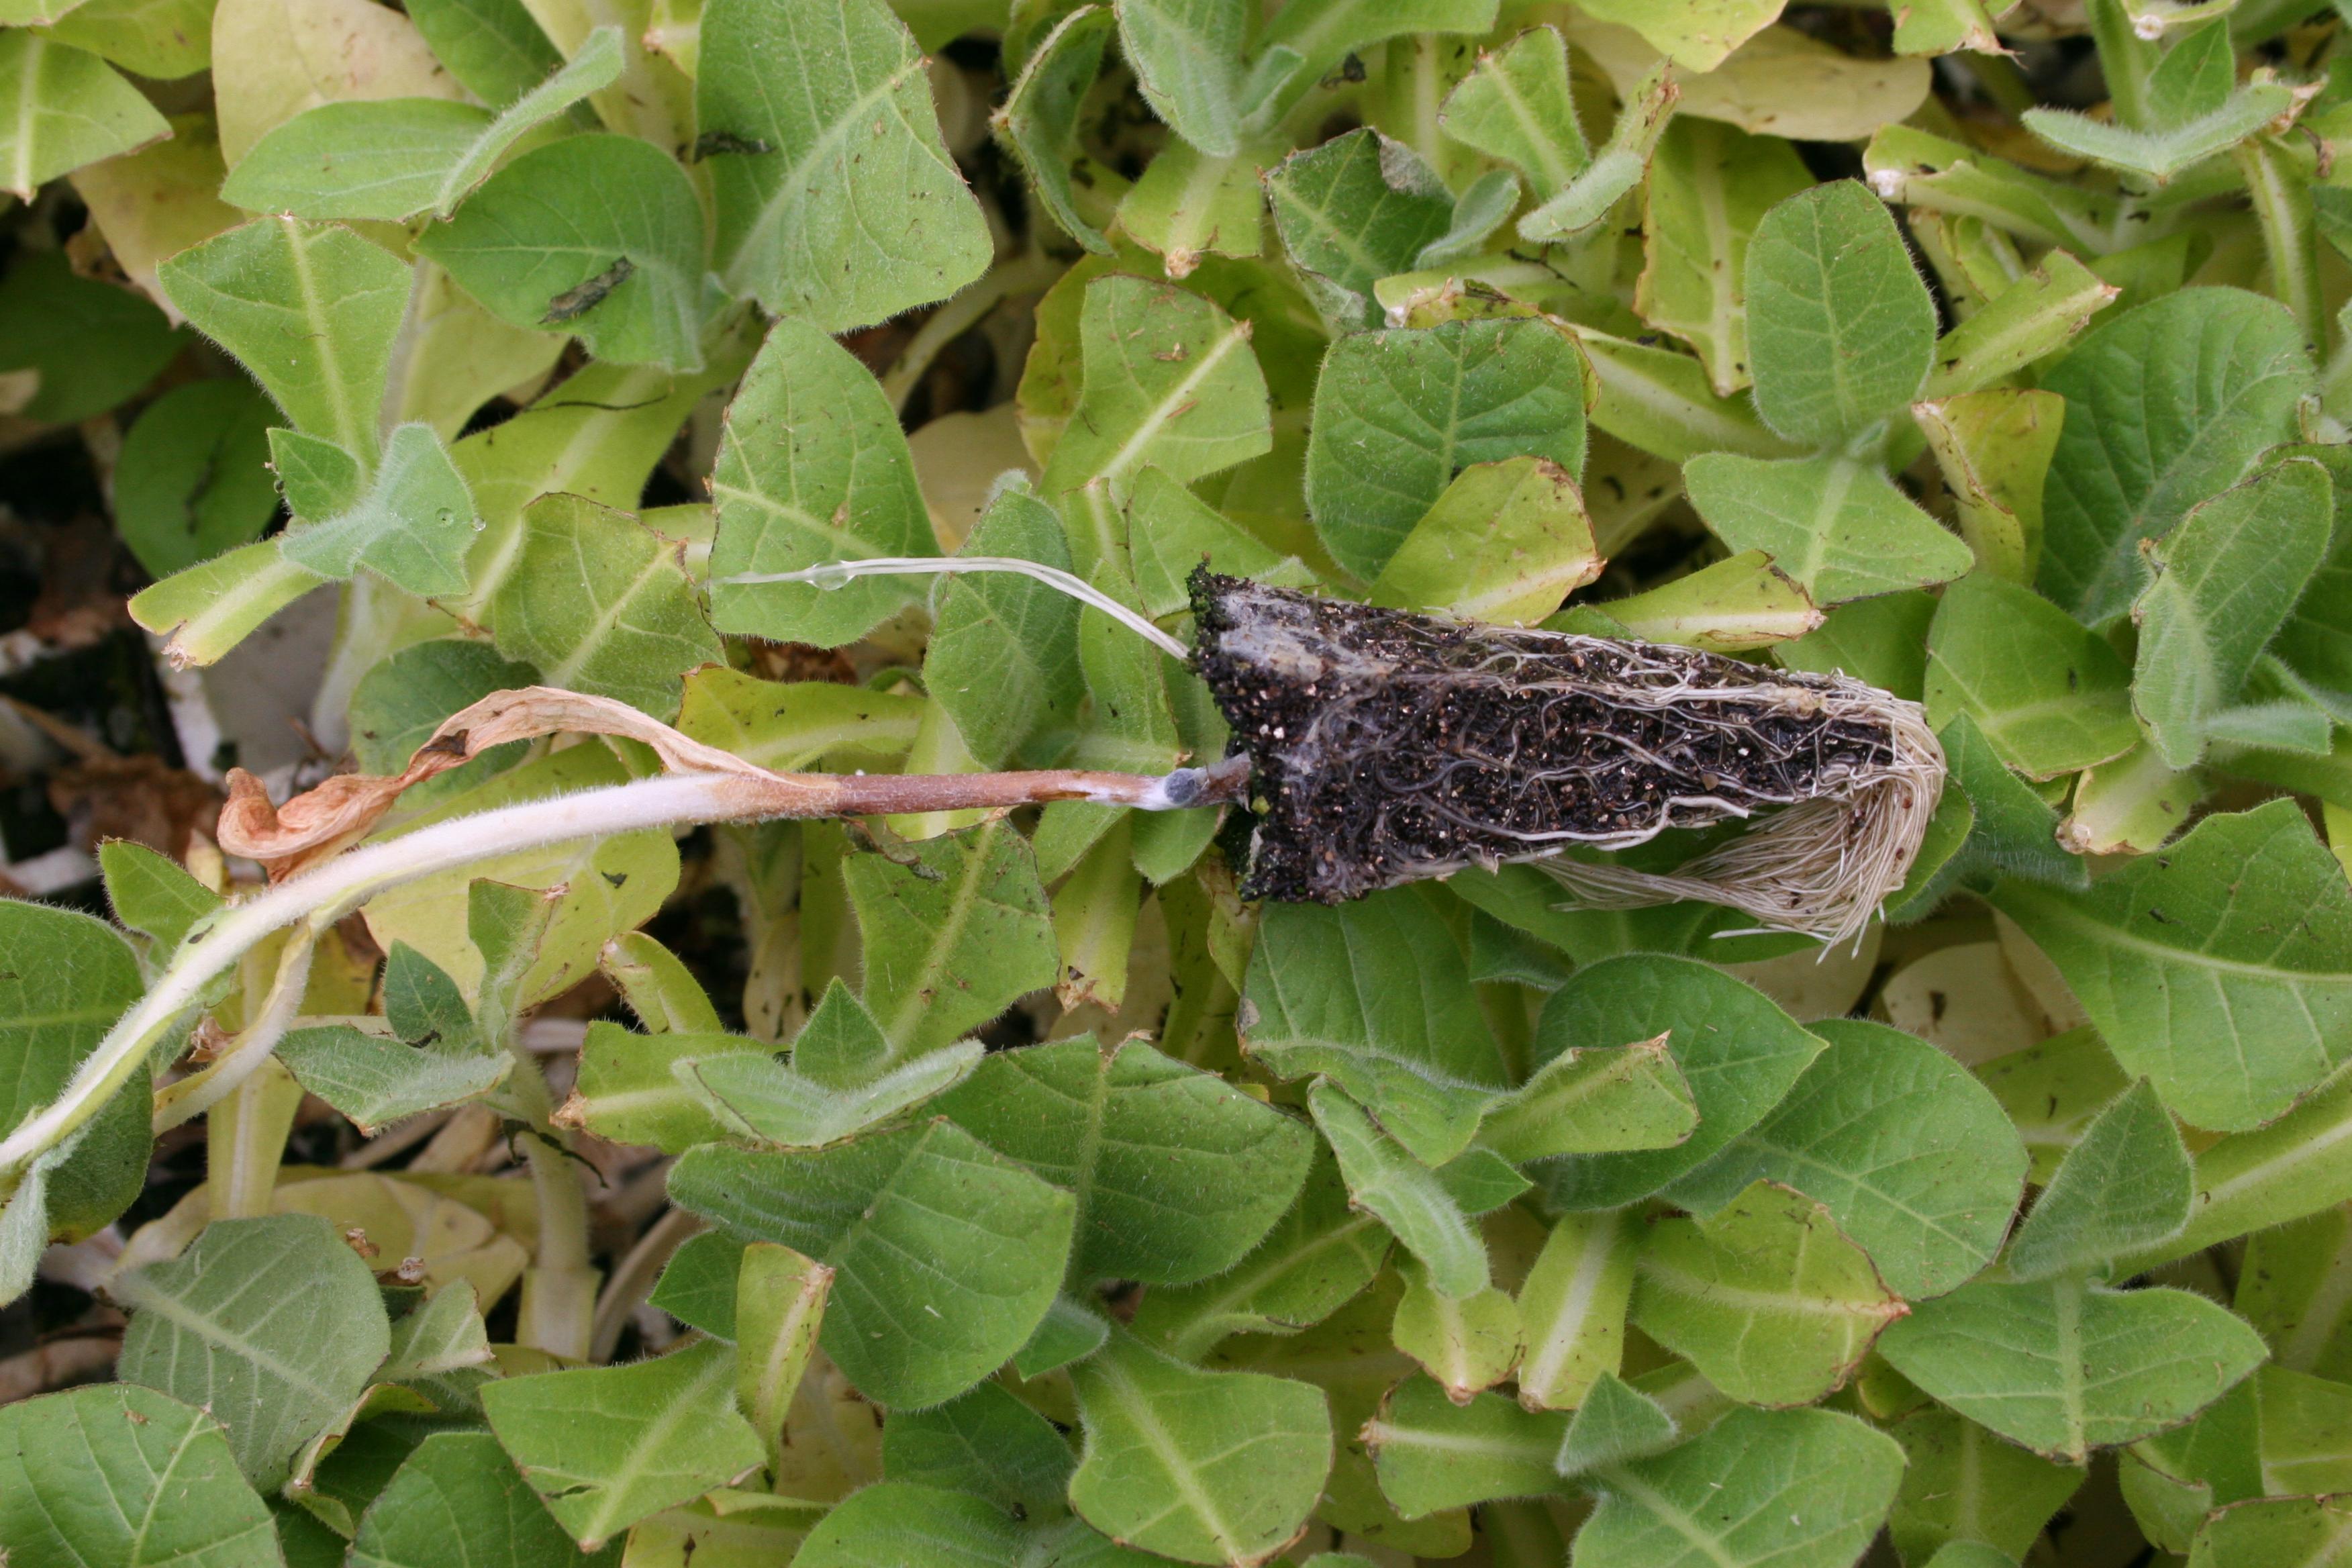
[986, 1443]
[1710, 186]
[1840, 331]
[1964, 1484]
[1877, 640]
[493, 48]
[1424, 1063]
[2162, 154]
[1733, 606]
[1319, 1254]
[151, 895]
[1516, 105]
[1836, 527]
[2226, 579]
[193, 477]
[68, 978]
[2064, 1367]
[1356, 209]
[1171, 530]
[2166, 404]
[2125, 1185]
[2048, 695]
[1795, 1488]
[811, 467]
[1599, 1099]
[396, 158]
[794, 1105]
[952, 937]
[1616, 1422]
[164, 40]
[411, 525]
[1657, 400]
[1615, 170]
[1768, 1300]
[2034, 317]
[1740, 1052]
[1993, 449]
[1184, 206]
[1186, 56]
[401, 700]
[1397, 413]
[1467, 1345]
[1200, 1465]
[699, 1283]
[1433, 1452]
[1408, 1197]
[2317, 641]
[441, 1350]
[1167, 380]
[210, 607]
[1039, 121]
[2217, 969]
[118, 1474]
[837, 202]
[2276, 1532]
[1178, 1173]
[922, 1221]
[1504, 545]
[601, 604]
[600, 887]
[1573, 1307]
[459, 1486]
[63, 108]
[627, 1090]
[272, 1324]
[896, 1521]
[794, 725]
[780, 1299]
[603, 1446]
[1697, 35]
[88, 344]
[1003, 655]
[1913, 1159]
[596, 235]
[376, 1082]
[310, 309]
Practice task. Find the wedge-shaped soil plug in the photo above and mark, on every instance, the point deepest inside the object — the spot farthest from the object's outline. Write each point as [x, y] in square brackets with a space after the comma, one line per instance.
[1389, 747]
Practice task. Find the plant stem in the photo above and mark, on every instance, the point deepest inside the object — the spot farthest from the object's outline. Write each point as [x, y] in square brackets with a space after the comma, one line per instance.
[336, 887]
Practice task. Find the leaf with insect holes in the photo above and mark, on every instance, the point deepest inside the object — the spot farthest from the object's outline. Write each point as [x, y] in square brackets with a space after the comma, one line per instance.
[310, 309]
[597, 235]
[603, 1446]
[923, 1224]
[835, 202]
[1178, 1173]
[393, 159]
[1399, 414]
[119, 1473]
[1204, 1467]
[811, 467]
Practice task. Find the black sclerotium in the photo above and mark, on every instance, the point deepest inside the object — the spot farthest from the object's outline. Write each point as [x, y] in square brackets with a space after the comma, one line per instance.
[1390, 747]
